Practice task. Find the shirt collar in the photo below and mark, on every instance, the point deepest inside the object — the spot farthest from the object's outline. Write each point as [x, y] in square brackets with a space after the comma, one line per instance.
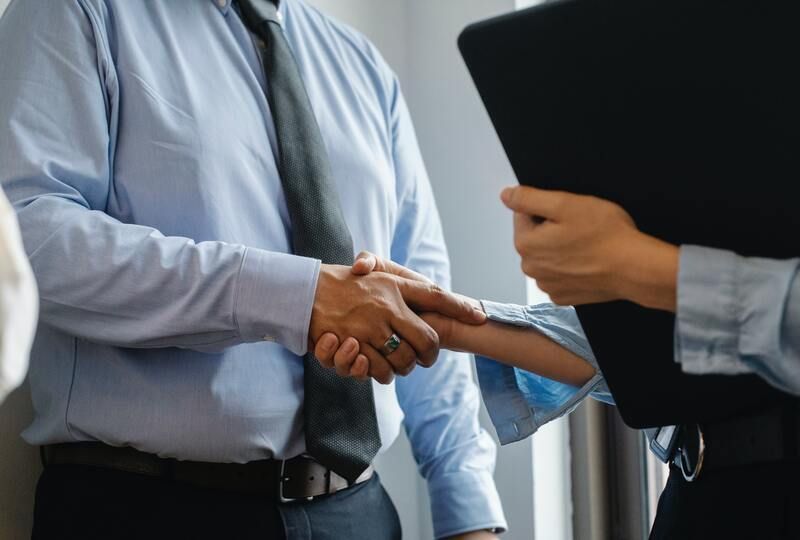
[225, 5]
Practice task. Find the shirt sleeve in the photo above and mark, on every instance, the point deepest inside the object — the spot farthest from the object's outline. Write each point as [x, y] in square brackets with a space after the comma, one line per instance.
[100, 279]
[739, 315]
[520, 402]
[455, 455]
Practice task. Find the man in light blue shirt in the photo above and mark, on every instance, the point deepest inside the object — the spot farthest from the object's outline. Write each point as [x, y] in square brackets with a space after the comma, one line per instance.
[138, 149]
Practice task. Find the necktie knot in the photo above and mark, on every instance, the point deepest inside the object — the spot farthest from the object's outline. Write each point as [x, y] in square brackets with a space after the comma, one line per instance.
[257, 12]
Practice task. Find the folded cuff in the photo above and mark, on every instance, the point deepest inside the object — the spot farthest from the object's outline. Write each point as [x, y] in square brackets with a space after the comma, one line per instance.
[707, 327]
[275, 297]
[519, 402]
[465, 501]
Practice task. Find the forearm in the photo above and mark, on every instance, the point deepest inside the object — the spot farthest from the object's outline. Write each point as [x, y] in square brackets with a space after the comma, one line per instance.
[130, 286]
[523, 348]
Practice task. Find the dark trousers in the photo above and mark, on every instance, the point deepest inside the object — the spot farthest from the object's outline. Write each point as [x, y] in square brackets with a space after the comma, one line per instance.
[90, 503]
[757, 502]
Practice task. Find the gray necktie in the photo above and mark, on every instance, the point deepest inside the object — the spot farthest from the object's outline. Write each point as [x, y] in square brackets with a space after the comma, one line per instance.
[340, 423]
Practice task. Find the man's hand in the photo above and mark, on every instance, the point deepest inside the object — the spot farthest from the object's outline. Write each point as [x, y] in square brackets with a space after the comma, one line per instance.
[584, 250]
[363, 311]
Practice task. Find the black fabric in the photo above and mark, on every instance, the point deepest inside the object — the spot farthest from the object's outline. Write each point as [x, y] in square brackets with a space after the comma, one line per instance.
[744, 503]
[85, 503]
[683, 112]
[341, 427]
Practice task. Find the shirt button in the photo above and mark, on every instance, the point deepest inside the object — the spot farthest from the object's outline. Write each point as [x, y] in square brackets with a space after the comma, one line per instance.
[222, 3]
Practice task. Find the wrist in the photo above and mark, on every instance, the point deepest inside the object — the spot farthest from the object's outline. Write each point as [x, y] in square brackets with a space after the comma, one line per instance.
[648, 272]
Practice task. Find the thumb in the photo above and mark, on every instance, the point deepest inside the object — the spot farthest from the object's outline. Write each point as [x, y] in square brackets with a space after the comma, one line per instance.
[364, 264]
[536, 202]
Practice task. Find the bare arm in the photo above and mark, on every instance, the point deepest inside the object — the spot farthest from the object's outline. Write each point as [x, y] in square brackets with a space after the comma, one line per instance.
[523, 348]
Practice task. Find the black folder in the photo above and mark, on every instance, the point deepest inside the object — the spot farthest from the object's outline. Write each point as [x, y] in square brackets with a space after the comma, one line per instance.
[684, 112]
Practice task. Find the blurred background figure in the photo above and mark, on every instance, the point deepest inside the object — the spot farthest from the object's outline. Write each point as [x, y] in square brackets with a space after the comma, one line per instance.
[18, 303]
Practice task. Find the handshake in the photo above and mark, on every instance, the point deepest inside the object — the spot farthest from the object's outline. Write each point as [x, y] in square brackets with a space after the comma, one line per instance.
[379, 319]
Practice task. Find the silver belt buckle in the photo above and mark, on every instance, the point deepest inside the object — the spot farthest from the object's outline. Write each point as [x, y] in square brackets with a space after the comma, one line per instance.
[691, 474]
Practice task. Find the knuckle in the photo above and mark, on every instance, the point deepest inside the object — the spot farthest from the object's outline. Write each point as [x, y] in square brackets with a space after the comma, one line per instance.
[431, 359]
[430, 340]
[407, 367]
[436, 292]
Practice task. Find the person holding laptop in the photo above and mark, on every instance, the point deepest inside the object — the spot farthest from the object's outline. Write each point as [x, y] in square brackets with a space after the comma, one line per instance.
[734, 315]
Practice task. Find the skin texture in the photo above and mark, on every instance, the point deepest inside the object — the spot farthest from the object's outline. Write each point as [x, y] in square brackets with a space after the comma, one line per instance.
[519, 347]
[372, 307]
[584, 250]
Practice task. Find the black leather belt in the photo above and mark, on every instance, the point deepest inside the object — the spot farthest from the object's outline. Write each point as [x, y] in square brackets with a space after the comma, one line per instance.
[296, 479]
[766, 437]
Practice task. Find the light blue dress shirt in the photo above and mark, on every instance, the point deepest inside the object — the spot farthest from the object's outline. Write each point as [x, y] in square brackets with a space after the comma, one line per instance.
[137, 146]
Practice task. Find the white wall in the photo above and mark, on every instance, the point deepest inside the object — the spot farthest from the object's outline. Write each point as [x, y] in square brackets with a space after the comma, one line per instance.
[467, 168]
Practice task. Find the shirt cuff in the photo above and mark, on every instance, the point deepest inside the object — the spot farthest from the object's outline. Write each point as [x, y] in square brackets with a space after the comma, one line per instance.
[275, 297]
[707, 327]
[465, 501]
[519, 402]
[730, 310]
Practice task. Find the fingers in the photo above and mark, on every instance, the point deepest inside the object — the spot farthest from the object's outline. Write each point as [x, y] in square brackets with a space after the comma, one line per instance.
[430, 297]
[535, 202]
[391, 267]
[416, 335]
[349, 362]
[379, 367]
[403, 360]
[345, 357]
[360, 368]
[367, 262]
[325, 348]
[524, 223]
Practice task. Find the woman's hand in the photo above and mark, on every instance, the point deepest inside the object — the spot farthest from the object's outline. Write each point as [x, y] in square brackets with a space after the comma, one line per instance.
[584, 250]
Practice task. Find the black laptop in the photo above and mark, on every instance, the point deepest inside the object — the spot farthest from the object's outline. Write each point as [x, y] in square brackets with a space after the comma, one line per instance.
[684, 112]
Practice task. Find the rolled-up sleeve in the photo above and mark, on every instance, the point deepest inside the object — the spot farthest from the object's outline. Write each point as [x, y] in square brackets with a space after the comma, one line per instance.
[520, 402]
[738, 315]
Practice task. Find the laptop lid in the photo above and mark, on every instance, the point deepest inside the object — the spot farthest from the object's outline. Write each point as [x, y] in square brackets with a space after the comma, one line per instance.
[684, 112]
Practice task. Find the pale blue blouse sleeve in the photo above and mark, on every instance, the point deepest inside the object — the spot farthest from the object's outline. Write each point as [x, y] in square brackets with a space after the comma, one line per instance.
[739, 315]
[520, 402]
